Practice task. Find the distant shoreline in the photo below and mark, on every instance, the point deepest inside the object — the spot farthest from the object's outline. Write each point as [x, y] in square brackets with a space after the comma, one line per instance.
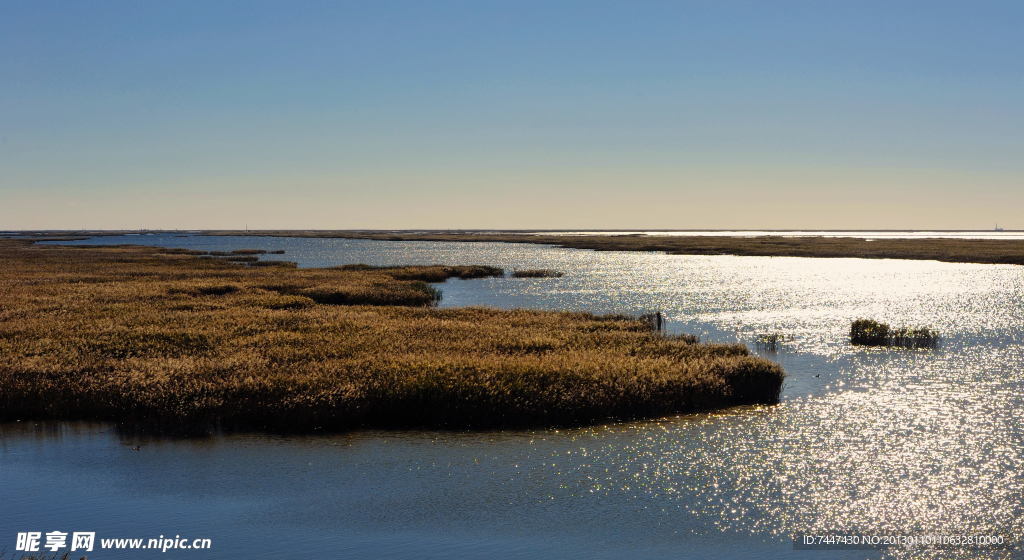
[980, 251]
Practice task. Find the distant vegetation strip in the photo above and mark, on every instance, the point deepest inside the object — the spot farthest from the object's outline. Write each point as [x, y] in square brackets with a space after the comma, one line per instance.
[163, 338]
[536, 273]
[985, 251]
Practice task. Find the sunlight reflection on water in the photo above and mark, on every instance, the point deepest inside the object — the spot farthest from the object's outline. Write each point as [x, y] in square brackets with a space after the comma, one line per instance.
[870, 440]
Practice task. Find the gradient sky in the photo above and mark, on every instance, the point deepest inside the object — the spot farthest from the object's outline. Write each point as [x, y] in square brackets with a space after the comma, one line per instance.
[555, 114]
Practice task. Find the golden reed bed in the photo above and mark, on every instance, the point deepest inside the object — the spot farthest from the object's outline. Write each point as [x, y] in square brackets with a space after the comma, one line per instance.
[151, 337]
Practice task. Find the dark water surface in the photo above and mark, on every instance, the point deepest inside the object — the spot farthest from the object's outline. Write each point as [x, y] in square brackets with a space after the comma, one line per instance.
[868, 440]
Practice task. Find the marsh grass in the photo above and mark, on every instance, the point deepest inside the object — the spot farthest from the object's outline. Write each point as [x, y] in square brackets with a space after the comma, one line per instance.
[430, 273]
[204, 289]
[162, 339]
[279, 264]
[536, 273]
[770, 341]
[411, 293]
[868, 332]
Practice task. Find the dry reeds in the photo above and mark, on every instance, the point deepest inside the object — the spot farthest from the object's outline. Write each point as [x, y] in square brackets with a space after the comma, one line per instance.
[536, 273]
[770, 341]
[868, 332]
[143, 336]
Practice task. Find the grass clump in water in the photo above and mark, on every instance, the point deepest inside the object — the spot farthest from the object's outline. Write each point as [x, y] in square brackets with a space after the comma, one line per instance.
[868, 332]
[536, 273]
[175, 340]
[770, 341]
[430, 273]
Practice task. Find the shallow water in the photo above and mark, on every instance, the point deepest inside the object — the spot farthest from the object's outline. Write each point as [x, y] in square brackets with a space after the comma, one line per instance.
[866, 440]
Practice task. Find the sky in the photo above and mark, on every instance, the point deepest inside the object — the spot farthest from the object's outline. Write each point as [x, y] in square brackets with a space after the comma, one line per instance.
[515, 114]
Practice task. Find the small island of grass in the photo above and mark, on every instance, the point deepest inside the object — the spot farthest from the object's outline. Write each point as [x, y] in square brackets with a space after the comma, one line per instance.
[536, 273]
[868, 332]
[151, 337]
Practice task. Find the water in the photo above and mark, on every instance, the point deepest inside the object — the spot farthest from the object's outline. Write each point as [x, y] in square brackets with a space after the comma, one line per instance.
[868, 440]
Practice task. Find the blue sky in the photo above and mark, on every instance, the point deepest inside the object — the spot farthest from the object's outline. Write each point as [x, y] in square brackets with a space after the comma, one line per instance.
[511, 114]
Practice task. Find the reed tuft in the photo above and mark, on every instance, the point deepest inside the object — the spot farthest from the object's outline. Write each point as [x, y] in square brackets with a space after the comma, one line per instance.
[536, 273]
[868, 332]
